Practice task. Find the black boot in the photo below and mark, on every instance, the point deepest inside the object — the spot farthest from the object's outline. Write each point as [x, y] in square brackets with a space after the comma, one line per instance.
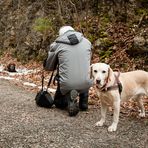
[60, 100]
[83, 101]
[73, 108]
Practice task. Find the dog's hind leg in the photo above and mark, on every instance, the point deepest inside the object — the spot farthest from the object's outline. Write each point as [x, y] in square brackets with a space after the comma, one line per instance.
[141, 106]
[103, 115]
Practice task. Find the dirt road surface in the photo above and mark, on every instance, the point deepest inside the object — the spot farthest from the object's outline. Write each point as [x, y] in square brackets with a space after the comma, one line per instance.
[24, 125]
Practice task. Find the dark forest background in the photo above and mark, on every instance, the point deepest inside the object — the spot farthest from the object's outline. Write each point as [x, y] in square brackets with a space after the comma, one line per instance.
[118, 29]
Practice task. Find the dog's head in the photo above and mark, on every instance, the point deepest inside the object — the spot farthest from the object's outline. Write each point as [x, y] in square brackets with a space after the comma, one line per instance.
[101, 74]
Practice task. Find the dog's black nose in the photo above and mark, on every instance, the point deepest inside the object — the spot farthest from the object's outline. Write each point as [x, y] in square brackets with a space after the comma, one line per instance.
[98, 81]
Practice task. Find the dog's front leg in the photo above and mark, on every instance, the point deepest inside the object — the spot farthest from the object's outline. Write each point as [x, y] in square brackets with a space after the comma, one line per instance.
[116, 112]
[103, 114]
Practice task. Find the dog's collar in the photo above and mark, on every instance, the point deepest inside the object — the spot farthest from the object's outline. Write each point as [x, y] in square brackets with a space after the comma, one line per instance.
[117, 85]
[114, 87]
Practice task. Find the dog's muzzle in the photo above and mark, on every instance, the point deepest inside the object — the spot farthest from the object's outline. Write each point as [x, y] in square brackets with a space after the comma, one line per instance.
[98, 81]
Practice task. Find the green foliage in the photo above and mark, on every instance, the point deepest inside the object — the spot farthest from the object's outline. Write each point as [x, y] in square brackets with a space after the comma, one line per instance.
[91, 37]
[105, 54]
[45, 27]
[104, 22]
[105, 19]
[106, 42]
[139, 11]
[42, 25]
[102, 33]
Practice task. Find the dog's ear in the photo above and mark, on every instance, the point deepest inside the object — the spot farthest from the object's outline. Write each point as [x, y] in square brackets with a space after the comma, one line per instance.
[110, 74]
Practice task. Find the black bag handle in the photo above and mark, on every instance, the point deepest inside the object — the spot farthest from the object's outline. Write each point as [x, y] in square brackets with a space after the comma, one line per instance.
[49, 82]
[42, 80]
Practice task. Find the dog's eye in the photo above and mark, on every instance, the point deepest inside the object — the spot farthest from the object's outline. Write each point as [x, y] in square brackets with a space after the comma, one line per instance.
[103, 71]
[95, 71]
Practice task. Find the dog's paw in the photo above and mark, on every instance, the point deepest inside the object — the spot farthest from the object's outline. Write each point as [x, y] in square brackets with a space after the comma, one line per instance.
[142, 115]
[99, 123]
[112, 128]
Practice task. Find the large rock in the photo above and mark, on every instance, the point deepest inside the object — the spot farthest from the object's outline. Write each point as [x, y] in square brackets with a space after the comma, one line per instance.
[141, 41]
[16, 27]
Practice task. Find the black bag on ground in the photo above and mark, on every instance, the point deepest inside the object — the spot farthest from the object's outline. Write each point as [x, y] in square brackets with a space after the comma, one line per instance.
[43, 97]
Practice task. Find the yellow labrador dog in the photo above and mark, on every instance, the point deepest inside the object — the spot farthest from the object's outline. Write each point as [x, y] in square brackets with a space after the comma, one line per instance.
[114, 88]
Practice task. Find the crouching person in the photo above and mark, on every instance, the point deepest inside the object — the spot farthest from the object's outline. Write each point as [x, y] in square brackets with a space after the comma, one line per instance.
[70, 54]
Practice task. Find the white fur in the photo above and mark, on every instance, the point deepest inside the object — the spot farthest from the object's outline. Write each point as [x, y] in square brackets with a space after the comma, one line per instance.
[134, 83]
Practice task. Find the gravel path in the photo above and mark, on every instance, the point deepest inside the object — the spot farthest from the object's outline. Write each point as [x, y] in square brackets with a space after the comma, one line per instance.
[24, 125]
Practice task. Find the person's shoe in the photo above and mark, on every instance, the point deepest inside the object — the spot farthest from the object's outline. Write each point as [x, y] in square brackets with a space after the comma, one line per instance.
[83, 104]
[73, 108]
[60, 100]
